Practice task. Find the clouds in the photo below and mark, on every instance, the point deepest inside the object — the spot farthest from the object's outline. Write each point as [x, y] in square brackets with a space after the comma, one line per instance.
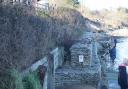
[101, 4]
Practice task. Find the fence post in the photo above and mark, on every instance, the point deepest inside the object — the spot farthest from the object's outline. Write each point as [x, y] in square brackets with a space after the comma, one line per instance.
[50, 84]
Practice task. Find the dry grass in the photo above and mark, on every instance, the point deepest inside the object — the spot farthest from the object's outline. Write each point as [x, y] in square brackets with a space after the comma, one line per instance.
[112, 18]
[26, 38]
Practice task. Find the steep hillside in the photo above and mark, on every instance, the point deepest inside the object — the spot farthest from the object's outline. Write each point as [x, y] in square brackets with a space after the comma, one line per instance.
[26, 37]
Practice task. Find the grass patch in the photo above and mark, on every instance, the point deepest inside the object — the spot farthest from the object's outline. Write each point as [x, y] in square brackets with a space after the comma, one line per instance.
[42, 13]
[11, 79]
[32, 81]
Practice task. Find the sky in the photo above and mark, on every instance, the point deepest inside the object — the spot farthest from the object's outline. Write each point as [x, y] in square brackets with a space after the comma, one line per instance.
[107, 4]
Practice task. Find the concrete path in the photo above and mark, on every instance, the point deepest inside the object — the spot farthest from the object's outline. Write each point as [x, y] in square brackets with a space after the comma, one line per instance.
[113, 80]
[112, 75]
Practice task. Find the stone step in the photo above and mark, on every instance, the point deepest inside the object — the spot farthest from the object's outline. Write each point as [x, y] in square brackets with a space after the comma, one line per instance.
[76, 87]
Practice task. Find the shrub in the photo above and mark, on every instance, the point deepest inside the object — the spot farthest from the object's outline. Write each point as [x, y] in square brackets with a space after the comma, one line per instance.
[74, 3]
[11, 80]
[32, 81]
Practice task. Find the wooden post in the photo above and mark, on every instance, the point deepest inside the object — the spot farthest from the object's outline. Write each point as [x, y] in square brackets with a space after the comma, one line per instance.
[50, 81]
[42, 73]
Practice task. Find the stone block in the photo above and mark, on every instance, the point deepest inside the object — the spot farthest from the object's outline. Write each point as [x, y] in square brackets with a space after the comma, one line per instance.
[78, 50]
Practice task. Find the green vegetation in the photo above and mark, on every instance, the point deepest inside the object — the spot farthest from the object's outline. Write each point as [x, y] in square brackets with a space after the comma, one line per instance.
[73, 3]
[66, 3]
[32, 81]
[43, 14]
[11, 80]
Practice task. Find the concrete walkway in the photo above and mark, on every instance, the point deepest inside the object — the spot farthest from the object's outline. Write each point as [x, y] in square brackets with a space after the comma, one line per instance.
[112, 75]
[113, 80]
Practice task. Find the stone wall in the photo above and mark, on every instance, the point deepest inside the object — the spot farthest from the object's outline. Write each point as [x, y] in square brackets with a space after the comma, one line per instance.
[81, 49]
[93, 74]
[88, 73]
[88, 76]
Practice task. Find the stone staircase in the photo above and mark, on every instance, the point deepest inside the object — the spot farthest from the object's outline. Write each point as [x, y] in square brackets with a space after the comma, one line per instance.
[77, 75]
